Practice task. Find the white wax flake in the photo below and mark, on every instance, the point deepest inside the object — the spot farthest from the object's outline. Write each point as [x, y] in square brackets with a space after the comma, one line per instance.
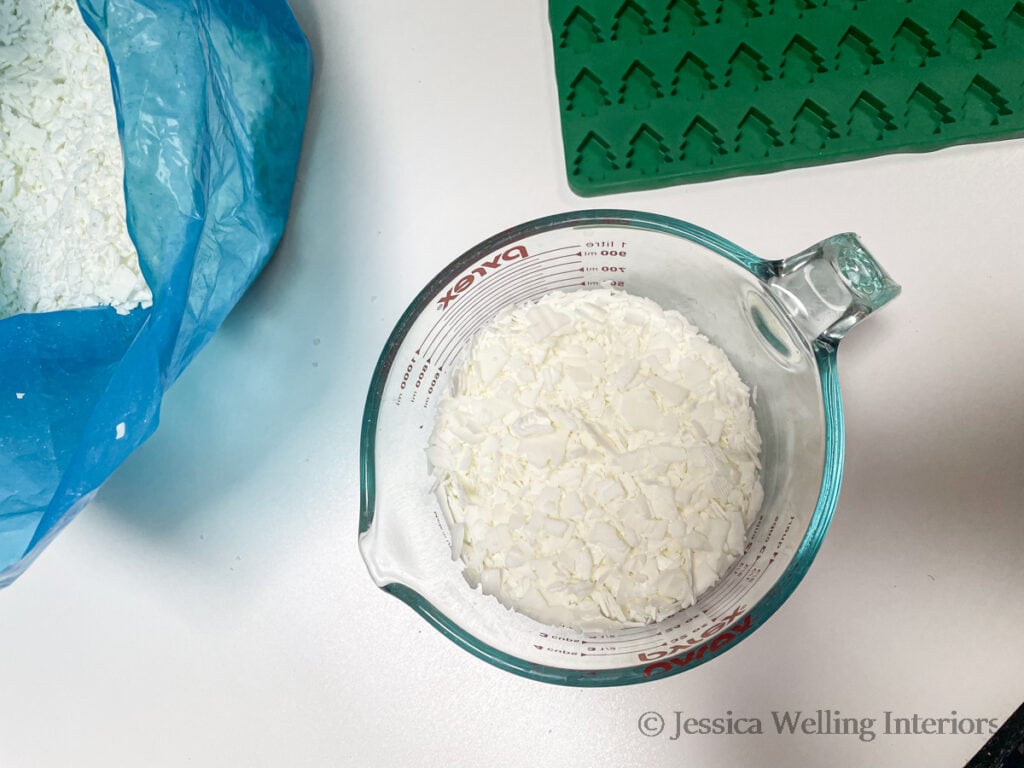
[119, 431]
[19, 395]
[597, 460]
[64, 242]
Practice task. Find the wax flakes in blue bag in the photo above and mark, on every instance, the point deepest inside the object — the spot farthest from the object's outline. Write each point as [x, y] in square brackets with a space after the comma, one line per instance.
[211, 100]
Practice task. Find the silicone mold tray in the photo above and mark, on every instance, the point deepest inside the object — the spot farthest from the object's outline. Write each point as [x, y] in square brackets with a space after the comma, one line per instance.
[657, 92]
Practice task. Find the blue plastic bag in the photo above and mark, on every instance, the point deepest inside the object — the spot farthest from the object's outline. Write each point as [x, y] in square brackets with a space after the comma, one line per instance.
[211, 99]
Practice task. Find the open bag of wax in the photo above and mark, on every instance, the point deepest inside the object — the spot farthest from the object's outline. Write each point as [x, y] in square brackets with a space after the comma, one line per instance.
[211, 100]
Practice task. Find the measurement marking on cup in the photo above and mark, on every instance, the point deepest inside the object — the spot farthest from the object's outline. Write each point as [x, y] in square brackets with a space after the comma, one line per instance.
[489, 298]
[487, 267]
[443, 324]
[436, 349]
[753, 570]
[420, 378]
[516, 294]
[641, 634]
[616, 649]
[627, 652]
[520, 264]
[743, 582]
[505, 276]
[742, 575]
[442, 304]
[499, 295]
[741, 585]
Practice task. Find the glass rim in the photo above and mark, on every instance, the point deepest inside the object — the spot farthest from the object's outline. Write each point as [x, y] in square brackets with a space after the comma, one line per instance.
[821, 518]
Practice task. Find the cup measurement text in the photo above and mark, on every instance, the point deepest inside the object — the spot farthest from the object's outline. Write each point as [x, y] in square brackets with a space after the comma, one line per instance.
[604, 249]
[414, 377]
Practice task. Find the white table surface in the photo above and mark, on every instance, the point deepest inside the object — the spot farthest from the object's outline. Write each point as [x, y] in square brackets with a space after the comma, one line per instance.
[210, 608]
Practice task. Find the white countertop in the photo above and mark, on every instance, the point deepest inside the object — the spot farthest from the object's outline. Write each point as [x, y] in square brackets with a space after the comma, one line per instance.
[210, 608]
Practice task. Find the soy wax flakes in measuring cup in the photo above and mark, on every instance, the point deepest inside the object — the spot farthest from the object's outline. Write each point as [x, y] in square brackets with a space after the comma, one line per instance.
[771, 320]
[596, 459]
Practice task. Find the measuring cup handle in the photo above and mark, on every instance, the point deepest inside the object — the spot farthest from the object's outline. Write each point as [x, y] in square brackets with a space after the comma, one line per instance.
[831, 286]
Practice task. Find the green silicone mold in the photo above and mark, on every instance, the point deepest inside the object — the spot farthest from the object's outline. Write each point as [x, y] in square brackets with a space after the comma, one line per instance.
[658, 92]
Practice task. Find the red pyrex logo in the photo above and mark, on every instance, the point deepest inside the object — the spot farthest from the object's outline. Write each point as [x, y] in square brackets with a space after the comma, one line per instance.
[479, 272]
[697, 654]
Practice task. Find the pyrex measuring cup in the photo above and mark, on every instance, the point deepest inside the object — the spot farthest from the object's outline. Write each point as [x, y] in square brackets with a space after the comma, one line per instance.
[778, 321]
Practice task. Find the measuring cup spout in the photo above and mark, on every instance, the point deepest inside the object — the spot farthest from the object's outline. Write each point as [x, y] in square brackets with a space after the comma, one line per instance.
[831, 286]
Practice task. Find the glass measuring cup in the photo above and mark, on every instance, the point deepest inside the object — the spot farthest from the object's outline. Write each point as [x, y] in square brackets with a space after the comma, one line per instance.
[779, 322]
